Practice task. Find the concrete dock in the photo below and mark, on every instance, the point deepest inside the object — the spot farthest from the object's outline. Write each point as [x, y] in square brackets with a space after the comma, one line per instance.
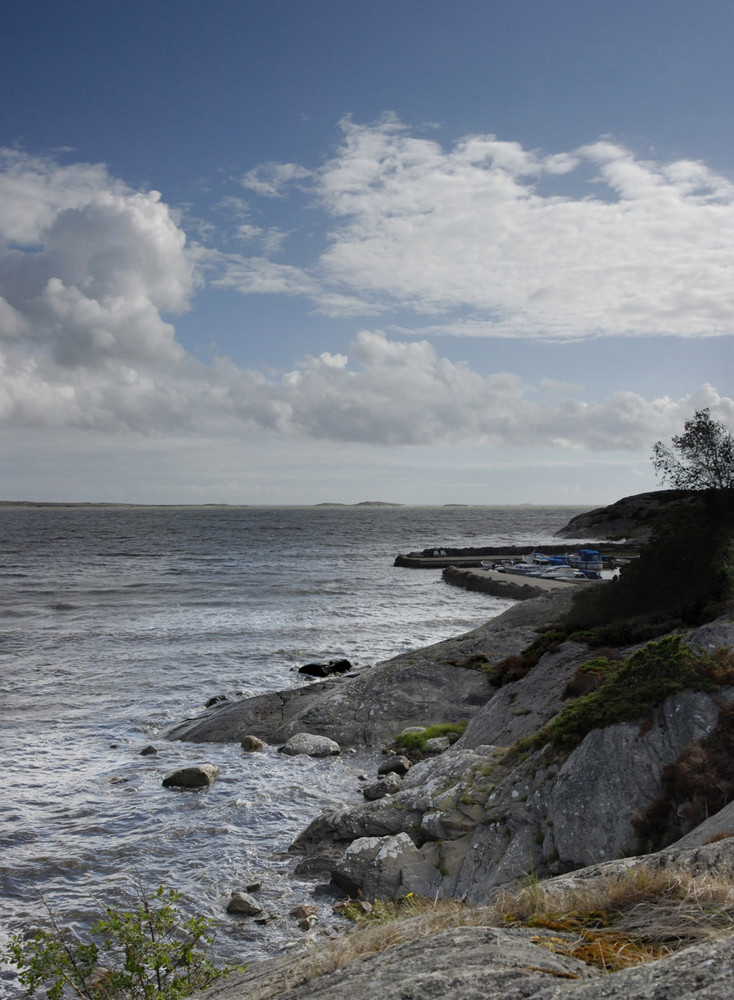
[515, 586]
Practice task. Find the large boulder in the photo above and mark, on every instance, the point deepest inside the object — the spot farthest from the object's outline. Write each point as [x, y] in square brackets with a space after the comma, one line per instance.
[385, 868]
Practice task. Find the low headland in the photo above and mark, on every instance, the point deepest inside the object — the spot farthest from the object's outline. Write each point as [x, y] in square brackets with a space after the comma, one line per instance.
[553, 814]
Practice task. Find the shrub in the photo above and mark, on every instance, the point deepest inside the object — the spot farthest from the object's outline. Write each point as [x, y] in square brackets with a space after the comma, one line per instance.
[638, 684]
[516, 666]
[150, 951]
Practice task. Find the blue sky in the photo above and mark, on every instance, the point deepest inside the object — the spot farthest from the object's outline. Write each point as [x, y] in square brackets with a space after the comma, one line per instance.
[420, 251]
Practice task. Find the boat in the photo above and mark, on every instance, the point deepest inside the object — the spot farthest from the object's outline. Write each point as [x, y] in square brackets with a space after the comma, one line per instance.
[587, 559]
[521, 568]
[565, 573]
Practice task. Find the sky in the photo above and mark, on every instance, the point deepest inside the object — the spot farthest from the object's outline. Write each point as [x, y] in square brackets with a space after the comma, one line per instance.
[419, 251]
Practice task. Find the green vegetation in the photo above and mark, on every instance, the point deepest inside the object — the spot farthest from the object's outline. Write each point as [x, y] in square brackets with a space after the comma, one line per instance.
[382, 911]
[417, 741]
[150, 951]
[702, 458]
[630, 688]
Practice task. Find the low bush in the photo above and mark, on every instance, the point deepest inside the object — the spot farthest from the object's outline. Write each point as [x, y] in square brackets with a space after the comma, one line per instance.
[150, 951]
[637, 685]
[517, 666]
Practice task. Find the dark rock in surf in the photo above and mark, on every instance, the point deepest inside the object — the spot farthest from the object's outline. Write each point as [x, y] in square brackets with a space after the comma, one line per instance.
[198, 776]
[326, 669]
[251, 743]
[244, 904]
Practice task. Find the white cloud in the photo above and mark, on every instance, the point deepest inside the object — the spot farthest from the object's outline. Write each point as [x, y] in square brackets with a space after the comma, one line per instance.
[393, 393]
[271, 180]
[88, 265]
[483, 231]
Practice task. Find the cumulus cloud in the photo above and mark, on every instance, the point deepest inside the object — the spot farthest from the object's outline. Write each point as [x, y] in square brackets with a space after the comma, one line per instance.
[403, 393]
[88, 265]
[89, 268]
[484, 232]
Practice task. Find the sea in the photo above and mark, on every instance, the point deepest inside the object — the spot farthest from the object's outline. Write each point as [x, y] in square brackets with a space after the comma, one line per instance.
[118, 622]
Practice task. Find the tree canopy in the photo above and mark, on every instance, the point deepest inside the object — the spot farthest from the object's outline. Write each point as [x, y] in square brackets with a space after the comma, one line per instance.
[701, 458]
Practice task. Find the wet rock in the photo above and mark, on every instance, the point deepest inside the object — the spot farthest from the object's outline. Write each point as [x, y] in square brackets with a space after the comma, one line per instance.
[306, 915]
[197, 776]
[251, 743]
[148, 751]
[216, 700]
[244, 904]
[326, 669]
[312, 746]
[397, 764]
[388, 784]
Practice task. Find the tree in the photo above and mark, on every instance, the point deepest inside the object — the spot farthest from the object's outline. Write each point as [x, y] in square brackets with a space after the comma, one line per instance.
[701, 458]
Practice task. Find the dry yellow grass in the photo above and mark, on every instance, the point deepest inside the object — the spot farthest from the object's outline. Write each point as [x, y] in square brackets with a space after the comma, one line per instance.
[612, 921]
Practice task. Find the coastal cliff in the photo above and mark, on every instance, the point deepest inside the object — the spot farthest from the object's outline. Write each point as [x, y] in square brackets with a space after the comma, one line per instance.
[634, 518]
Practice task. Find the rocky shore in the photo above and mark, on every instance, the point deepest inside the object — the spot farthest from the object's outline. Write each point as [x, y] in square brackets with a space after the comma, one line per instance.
[546, 788]
[468, 821]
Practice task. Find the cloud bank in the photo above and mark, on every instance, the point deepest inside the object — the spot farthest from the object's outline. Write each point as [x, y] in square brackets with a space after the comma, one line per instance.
[90, 269]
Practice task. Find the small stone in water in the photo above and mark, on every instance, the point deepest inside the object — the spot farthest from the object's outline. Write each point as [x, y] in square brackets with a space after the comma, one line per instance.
[242, 902]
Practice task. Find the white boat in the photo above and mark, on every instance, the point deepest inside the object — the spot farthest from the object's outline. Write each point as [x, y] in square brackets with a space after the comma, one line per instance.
[562, 573]
[521, 568]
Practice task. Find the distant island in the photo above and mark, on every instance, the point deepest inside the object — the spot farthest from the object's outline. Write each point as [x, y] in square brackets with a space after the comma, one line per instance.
[362, 503]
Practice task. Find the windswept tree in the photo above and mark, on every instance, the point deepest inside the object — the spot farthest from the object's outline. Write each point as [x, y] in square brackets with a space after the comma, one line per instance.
[701, 458]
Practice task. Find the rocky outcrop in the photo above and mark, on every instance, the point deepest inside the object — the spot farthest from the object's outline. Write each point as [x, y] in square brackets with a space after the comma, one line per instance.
[633, 517]
[478, 817]
[424, 686]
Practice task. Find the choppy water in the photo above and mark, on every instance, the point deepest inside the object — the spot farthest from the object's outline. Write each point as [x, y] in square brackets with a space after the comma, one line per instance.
[117, 622]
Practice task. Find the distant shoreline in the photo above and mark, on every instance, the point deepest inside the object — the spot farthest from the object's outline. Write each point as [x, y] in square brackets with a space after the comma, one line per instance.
[118, 504]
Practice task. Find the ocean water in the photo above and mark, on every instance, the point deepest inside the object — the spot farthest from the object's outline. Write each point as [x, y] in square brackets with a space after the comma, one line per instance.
[117, 622]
